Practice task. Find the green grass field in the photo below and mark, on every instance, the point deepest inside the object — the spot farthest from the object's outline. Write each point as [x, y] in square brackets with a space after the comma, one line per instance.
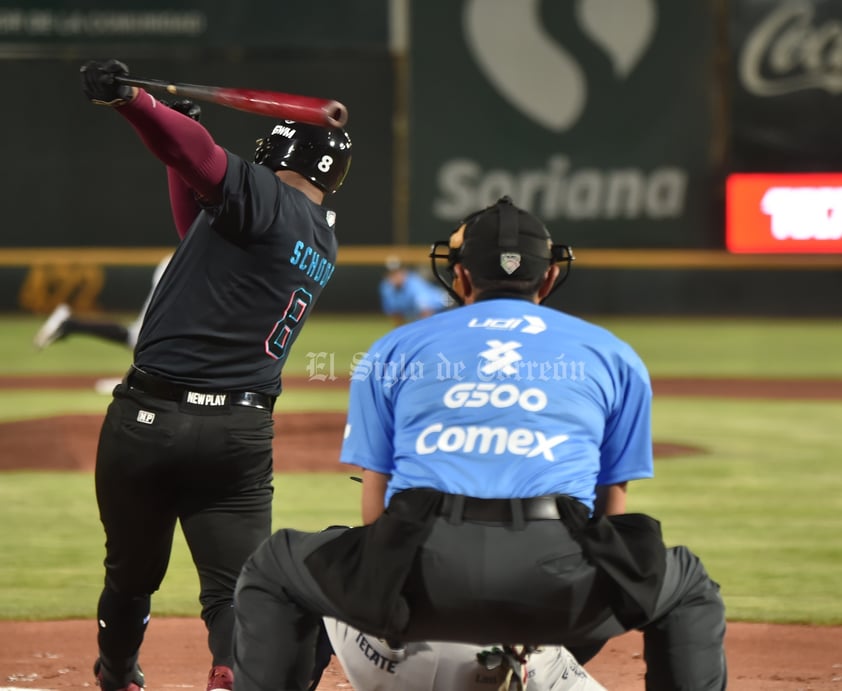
[763, 507]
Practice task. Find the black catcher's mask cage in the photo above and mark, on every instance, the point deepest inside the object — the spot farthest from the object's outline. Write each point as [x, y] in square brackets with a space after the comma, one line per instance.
[445, 253]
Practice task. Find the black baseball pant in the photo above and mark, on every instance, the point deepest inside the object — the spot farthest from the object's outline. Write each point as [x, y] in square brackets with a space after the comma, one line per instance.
[160, 462]
[479, 582]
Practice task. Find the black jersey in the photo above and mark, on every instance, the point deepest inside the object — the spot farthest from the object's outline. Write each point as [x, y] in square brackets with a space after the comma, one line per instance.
[240, 286]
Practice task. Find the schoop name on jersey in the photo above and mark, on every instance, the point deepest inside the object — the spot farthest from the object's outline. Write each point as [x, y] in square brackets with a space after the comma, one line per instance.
[311, 262]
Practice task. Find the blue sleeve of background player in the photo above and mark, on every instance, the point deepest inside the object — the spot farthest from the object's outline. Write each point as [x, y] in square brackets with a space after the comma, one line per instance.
[431, 298]
[626, 452]
[388, 298]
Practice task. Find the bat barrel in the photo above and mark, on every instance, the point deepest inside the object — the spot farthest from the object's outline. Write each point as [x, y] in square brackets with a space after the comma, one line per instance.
[309, 109]
[336, 113]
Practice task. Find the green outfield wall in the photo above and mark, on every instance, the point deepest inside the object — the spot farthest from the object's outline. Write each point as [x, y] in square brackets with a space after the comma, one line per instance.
[609, 121]
[602, 281]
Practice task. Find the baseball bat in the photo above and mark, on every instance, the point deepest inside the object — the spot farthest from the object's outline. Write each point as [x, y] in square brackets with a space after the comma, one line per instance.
[315, 111]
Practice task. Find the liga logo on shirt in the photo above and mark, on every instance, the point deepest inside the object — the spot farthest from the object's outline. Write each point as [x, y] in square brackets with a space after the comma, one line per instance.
[534, 325]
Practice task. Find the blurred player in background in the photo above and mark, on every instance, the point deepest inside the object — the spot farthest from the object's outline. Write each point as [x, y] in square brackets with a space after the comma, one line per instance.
[405, 295]
[61, 323]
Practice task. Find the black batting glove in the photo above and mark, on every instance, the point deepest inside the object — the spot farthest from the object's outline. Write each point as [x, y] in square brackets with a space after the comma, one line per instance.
[186, 107]
[99, 85]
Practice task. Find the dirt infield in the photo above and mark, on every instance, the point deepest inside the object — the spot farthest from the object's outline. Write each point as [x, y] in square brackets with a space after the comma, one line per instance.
[58, 655]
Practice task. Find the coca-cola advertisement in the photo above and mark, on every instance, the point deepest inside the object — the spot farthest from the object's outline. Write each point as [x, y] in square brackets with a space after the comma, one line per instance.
[786, 95]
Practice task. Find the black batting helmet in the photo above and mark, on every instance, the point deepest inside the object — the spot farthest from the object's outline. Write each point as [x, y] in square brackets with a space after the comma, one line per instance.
[320, 154]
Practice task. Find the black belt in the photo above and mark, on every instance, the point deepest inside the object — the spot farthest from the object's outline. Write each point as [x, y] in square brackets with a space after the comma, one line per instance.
[159, 387]
[500, 510]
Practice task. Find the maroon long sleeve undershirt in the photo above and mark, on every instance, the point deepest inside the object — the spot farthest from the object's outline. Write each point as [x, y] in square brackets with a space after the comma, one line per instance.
[195, 162]
[183, 202]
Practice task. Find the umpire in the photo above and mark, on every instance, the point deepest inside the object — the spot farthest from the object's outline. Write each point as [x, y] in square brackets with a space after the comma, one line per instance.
[501, 443]
[188, 435]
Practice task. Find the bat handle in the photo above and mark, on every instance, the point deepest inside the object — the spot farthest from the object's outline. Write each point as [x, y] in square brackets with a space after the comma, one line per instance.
[149, 83]
[194, 91]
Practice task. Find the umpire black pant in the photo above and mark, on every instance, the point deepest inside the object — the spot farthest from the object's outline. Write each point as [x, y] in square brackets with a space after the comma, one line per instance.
[480, 582]
[160, 462]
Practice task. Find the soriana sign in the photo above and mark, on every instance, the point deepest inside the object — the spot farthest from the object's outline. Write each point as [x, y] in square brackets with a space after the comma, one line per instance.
[777, 212]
